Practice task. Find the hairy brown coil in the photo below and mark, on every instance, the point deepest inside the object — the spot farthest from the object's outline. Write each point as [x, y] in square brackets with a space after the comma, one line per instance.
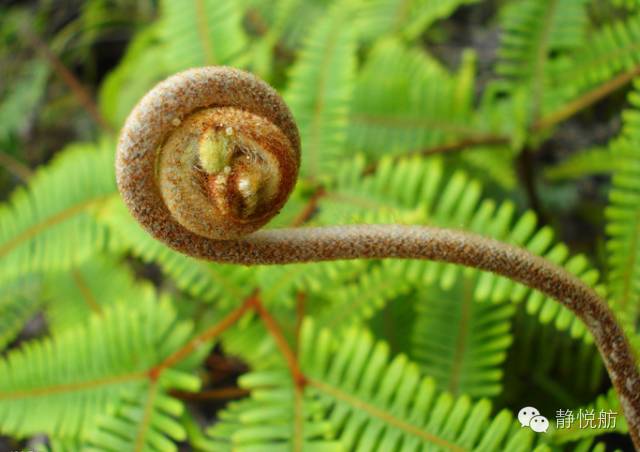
[221, 155]
[184, 169]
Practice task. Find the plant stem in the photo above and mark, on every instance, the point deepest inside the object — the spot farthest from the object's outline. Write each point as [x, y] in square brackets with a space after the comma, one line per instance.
[298, 378]
[525, 165]
[284, 246]
[568, 110]
[206, 335]
[184, 93]
[301, 298]
[586, 100]
[281, 342]
[446, 148]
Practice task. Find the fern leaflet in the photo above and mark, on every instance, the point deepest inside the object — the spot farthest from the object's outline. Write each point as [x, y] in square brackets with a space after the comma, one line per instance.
[407, 18]
[88, 379]
[320, 89]
[363, 399]
[623, 216]
[401, 98]
[462, 344]
[201, 33]
[50, 225]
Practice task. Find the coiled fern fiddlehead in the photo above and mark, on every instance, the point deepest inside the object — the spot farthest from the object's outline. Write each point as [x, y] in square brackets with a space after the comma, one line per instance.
[209, 155]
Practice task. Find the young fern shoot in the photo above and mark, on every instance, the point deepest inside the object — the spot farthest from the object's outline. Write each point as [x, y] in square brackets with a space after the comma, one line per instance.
[210, 155]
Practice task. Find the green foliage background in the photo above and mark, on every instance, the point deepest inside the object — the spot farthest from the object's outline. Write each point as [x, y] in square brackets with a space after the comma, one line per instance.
[479, 115]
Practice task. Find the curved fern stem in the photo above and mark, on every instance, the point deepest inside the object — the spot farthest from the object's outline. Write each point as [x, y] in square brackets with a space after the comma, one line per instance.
[285, 246]
[178, 101]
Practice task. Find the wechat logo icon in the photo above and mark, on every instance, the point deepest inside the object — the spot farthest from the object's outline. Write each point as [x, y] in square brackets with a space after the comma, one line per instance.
[530, 417]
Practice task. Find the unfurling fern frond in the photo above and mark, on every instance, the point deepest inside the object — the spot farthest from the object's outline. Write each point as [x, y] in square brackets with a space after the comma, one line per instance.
[94, 383]
[362, 399]
[201, 33]
[623, 216]
[405, 101]
[320, 90]
[50, 225]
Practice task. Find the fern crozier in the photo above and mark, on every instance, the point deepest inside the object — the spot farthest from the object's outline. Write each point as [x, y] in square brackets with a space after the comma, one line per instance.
[223, 104]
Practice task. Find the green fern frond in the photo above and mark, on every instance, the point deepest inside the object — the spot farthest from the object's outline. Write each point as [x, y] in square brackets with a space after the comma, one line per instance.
[408, 19]
[623, 216]
[320, 89]
[492, 164]
[598, 160]
[569, 373]
[362, 288]
[87, 376]
[145, 419]
[363, 399]
[249, 341]
[73, 295]
[19, 301]
[405, 101]
[204, 280]
[359, 299]
[376, 402]
[611, 50]
[59, 445]
[201, 33]
[286, 21]
[141, 67]
[226, 284]
[415, 190]
[50, 224]
[460, 343]
[533, 29]
[282, 23]
[267, 419]
[536, 34]
[279, 285]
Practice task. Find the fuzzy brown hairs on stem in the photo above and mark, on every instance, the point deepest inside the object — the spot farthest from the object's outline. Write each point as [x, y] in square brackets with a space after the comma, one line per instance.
[213, 158]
